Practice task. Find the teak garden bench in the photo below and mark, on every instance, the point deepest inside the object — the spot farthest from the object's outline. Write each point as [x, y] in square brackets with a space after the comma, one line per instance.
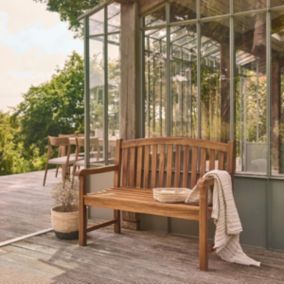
[143, 164]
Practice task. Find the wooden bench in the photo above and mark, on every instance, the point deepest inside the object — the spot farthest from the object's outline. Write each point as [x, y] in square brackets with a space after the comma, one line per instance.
[142, 164]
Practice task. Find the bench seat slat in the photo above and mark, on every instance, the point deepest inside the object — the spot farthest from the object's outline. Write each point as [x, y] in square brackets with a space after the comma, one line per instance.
[141, 201]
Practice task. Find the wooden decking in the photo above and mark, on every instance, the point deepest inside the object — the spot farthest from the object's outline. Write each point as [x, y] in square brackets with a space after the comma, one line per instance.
[132, 257]
[25, 204]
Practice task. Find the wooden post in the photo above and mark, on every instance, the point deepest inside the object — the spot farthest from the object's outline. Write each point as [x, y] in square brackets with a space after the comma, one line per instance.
[129, 106]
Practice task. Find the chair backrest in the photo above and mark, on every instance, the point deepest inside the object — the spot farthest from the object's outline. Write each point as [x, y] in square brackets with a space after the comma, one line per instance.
[58, 141]
[94, 145]
[169, 161]
[61, 143]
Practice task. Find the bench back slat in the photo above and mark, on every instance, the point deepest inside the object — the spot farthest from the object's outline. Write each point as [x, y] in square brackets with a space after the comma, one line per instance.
[170, 161]
[125, 166]
[154, 166]
[161, 164]
[202, 160]
[194, 164]
[139, 166]
[211, 159]
[146, 166]
[185, 166]
[169, 165]
[132, 166]
[177, 166]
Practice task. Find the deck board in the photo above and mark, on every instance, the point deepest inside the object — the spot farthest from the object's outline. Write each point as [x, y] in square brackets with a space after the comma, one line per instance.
[132, 257]
[25, 204]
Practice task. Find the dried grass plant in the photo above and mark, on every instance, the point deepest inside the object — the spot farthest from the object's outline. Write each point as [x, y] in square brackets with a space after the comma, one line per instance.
[66, 196]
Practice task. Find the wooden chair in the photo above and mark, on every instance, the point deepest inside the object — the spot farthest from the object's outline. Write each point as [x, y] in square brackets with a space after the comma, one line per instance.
[142, 164]
[62, 152]
[61, 146]
[95, 153]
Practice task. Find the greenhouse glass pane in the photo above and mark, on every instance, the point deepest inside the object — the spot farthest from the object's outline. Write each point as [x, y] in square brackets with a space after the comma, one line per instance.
[183, 80]
[214, 7]
[215, 80]
[277, 92]
[157, 17]
[113, 11]
[182, 10]
[96, 23]
[275, 3]
[155, 82]
[97, 85]
[113, 92]
[251, 84]
[241, 5]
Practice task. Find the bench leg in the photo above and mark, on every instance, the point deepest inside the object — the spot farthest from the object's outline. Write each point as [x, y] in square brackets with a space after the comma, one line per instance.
[203, 234]
[203, 246]
[203, 228]
[83, 216]
[83, 225]
[117, 225]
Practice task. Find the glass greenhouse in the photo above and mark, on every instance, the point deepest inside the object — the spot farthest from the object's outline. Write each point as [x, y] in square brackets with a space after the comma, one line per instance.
[196, 68]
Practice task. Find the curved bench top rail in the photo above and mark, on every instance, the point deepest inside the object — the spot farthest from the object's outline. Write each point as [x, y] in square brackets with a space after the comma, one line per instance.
[200, 143]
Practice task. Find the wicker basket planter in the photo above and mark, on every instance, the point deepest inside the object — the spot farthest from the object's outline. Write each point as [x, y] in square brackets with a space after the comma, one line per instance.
[65, 224]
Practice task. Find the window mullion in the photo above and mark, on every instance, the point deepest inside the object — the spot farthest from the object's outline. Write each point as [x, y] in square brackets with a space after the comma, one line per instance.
[168, 74]
[232, 73]
[268, 88]
[87, 90]
[105, 86]
[198, 62]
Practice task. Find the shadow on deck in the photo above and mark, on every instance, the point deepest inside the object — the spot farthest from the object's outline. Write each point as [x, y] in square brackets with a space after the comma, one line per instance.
[132, 257]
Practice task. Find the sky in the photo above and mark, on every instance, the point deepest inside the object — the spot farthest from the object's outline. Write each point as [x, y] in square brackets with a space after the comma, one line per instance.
[33, 43]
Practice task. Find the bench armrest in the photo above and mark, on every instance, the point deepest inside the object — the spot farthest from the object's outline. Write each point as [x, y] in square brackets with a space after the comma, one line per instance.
[88, 172]
[206, 181]
[204, 184]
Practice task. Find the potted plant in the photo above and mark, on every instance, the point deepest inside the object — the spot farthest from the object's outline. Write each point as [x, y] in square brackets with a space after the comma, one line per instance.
[65, 214]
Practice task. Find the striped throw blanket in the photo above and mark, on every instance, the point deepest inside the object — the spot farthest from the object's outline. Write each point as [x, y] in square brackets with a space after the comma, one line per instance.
[226, 219]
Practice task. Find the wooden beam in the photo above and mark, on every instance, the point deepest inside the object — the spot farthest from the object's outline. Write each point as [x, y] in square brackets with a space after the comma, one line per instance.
[129, 106]
[129, 71]
[146, 5]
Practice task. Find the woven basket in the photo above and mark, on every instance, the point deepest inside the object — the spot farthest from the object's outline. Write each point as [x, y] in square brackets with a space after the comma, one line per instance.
[65, 224]
[170, 194]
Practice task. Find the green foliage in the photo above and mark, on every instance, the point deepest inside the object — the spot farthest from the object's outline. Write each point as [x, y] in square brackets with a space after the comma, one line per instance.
[49, 109]
[54, 107]
[70, 10]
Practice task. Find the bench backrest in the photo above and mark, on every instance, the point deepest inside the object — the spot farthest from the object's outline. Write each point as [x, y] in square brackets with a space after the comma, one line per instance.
[169, 161]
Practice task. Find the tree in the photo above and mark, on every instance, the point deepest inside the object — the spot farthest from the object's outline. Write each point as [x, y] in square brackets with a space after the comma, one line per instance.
[11, 159]
[52, 108]
[70, 10]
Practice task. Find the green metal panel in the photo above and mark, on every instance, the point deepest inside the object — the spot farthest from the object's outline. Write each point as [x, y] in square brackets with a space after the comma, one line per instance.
[277, 214]
[154, 223]
[250, 197]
